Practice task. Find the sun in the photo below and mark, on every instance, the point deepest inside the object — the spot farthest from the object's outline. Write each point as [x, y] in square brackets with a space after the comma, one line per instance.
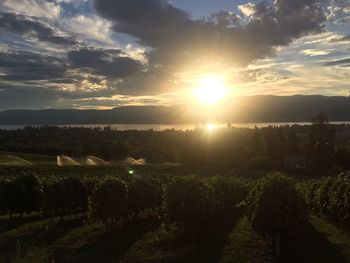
[210, 90]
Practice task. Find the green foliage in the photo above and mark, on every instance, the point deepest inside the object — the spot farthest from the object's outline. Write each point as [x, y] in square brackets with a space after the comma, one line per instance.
[4, 196]
[187, 203]
[203, 207]
[144, 194]
[321, 144]
[109, 202]
[330, 196]
[342, 158]
[226, 194]
[24, 194]
[262, 148]
[114, 150]
[262, 163]
[276, 206]
[66, 196]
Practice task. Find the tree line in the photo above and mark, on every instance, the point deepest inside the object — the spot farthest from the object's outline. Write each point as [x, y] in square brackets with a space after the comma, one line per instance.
[313, 147]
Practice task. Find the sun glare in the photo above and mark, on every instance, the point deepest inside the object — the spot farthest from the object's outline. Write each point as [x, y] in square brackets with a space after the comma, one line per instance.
[210, 90]
[210, 127]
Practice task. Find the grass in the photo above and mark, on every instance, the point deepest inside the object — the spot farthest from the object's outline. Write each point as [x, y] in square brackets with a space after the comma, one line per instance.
[244, 245]
[153, 246]
[144, 240]
[332, 235]
[315, 242]
[94, 242]
[32, 239]
[168, 244]
[73, 239]
[33, 234]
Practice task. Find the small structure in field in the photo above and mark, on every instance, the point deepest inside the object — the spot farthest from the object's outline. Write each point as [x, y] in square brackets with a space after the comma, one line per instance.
[63, 160]
[93, 161]
[133, 161]
[11, 160]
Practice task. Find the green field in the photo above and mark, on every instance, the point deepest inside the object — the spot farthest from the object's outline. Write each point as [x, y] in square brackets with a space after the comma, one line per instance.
[150, 235]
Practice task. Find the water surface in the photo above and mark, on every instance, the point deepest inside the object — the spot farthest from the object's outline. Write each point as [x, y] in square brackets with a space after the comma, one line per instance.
[162, 127]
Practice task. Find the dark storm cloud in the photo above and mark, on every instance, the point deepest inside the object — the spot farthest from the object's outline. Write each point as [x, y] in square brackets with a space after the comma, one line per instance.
[28, 66]
[24, 25]
[176, 37]
[279, 24]
[341, 62]
[107, 62]
[21, 66]
[148, 20]
[14, 96]
[225, 19]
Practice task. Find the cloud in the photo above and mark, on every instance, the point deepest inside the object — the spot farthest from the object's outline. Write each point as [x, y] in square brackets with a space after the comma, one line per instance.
[23, 25]
[225, 19]
[343, 21]
[175, 37]
[338, 7]
[25, 66]
[316, 52]
[72, 56]
[73, 2]
[247, 9]
[341, 62]
[113, 63]
[341, 39]
[37, 8]
[88, 28]
[18, 97]
[148, 20]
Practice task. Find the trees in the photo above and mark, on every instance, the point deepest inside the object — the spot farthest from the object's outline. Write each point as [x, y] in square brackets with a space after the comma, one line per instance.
[276, 209]
[257, 146]
[342, 158]
[112, 150]
[292, 146]
[4, 196]
[275, 146]
[321, 144]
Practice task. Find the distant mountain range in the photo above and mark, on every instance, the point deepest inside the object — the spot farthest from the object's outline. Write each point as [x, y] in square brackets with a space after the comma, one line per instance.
[241, 109]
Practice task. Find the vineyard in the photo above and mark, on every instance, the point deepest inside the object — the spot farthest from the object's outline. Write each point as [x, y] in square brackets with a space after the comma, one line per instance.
[109, 214]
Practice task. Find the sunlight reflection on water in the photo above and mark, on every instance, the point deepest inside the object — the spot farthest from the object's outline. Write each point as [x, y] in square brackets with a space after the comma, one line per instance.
[161, 127]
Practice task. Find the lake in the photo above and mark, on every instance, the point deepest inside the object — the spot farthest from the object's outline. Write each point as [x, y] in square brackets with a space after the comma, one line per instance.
[162, 127]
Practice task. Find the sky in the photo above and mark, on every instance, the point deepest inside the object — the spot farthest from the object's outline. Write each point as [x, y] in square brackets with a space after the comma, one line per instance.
[101, 54]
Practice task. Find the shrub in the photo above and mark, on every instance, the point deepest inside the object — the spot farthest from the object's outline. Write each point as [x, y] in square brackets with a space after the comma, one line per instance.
[109, 202]
[144, 194]
[4, 196]
[24, 194]
[227, 193]
[277, 208]
[187, 204]
[330, 197]
[66, 196]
